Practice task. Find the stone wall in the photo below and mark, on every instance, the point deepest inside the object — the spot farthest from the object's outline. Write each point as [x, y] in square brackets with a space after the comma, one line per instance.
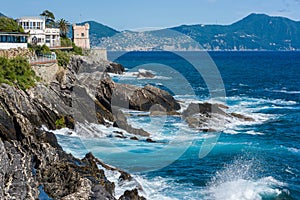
[12, 53]
[98, 54]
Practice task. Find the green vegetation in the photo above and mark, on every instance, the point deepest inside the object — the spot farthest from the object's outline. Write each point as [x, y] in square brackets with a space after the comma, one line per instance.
[77, 50]
[49, 18]
[60, 123]
[64, 27]
[17, 71]
[65, 42]
[39, 49]
[63, 58]
[10, 25]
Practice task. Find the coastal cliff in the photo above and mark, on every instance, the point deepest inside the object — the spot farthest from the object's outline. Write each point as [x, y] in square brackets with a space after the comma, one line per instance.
[33, 165]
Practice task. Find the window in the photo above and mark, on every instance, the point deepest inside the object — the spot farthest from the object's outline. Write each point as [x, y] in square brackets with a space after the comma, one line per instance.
[47, 38]
[82, 34]
[30, 25]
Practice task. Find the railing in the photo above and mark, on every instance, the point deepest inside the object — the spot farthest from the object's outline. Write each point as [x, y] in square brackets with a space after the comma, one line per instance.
[43, 59]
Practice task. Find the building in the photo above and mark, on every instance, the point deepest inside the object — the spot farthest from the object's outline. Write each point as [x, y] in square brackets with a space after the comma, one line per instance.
[13, 40]
[38, 33]
[81, 36]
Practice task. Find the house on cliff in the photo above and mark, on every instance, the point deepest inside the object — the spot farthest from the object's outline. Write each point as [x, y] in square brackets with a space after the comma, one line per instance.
[38, 33]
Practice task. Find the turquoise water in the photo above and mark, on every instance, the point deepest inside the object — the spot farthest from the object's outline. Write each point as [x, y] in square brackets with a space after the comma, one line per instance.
[253, 160]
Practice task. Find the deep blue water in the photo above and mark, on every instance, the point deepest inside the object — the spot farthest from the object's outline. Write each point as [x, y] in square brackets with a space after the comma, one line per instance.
[258, 160]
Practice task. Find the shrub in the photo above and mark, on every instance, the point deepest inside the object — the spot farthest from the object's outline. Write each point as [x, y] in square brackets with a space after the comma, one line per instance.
[60, 123]
[17, 71]
[65, 42]
[63, 58]
[10, 25]
[77, 50]
[39, 49]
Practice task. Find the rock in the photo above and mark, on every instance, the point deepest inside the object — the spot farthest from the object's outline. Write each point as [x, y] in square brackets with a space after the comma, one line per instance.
[202, 108]
[134, 138]
[202, 115]
[131, 195]
[82, 64]
[243, 117]
[145, 74]
[150, 140]
[121, 122]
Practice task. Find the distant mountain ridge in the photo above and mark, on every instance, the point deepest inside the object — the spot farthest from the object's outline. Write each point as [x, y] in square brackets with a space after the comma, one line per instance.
[2, 15]
[254, 32]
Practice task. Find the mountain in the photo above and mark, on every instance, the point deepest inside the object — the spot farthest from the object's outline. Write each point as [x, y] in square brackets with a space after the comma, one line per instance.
[2, 15]
[254, 32]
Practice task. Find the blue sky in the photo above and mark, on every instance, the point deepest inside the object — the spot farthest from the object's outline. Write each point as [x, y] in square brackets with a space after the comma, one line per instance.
[133, 14]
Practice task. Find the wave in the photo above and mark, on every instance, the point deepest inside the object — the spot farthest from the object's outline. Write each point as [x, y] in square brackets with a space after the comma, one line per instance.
[242, 180]
[285, 91]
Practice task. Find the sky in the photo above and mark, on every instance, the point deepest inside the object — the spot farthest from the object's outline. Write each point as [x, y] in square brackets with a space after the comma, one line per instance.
[144, 14]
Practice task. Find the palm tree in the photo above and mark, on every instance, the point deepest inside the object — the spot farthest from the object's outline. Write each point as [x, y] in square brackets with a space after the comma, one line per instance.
[49, 18]
[64, 27]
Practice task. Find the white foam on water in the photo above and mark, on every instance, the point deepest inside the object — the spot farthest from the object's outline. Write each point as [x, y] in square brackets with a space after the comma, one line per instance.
[240, 180]
[285, 91]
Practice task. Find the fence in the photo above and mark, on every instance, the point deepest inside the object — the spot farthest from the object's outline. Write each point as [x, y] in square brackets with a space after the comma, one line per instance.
[43, 59]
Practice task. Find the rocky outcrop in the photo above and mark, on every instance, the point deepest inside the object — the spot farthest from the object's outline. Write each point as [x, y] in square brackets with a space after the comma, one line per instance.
[131, 195]
[136, 98]
[81, 64]
[31, 160]
[209, 117]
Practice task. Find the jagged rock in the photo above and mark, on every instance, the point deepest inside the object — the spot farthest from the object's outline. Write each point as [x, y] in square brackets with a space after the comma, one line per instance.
[82, 64]
[201, 115]
[145, 74]
[121, 122]
[243, 117]
[202, 108]
[133, 97]
[131, 195]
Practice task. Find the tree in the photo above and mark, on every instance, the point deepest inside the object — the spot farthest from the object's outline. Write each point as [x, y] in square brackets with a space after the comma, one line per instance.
[64, 27]
[49, 18]
[9, 25]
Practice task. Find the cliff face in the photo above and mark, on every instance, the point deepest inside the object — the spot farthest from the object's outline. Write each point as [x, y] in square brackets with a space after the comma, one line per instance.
[31, 160]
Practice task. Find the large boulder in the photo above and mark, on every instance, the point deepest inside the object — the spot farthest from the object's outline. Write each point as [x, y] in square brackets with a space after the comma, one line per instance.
[133, 97]
[81, 64]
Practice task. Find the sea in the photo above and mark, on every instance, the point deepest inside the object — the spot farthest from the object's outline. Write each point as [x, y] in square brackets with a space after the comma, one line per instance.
[240, 160]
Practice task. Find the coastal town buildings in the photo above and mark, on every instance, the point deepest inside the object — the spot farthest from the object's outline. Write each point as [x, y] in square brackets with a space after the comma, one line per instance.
[38, 33]
[13, 40]
[81, 35]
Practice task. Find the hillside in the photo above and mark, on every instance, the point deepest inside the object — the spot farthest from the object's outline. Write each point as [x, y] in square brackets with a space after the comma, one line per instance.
[254, 32]
[2, 15]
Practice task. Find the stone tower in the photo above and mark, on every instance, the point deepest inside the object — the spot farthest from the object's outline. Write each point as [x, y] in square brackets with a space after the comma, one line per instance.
[81, 36]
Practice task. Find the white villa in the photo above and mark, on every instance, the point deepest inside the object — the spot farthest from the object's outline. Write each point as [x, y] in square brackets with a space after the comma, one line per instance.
[38, 33]
[13, 40]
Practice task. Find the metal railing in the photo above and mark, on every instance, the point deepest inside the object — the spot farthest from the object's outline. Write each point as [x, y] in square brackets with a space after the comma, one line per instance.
[43, 59]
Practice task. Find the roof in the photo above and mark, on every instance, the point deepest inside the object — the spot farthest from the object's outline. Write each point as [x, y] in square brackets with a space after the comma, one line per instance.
[31, 18]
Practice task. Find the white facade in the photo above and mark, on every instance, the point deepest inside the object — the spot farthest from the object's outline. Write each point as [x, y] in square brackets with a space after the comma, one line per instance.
[13, 40]
[38, 33]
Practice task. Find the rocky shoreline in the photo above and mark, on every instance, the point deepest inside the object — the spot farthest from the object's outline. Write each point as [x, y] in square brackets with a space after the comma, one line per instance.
[31, 160]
